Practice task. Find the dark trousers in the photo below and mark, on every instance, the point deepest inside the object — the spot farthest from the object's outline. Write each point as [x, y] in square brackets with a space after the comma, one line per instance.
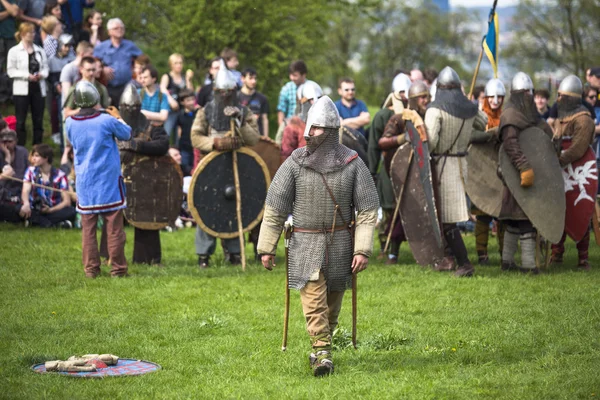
[146, 246]
[36, 102]
[9, 212]
[5, 45]
[49, 220]
[456, 243]
[115, 92]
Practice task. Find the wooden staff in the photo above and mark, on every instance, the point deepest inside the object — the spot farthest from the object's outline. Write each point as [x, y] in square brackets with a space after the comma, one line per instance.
[476, 72]
[354, 302]
[37, 184]
[596, 223]
[286, 314]
[238, 201]
[397, 208]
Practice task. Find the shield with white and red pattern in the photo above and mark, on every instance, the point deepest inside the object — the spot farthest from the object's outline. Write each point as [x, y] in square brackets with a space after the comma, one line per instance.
[581, 186]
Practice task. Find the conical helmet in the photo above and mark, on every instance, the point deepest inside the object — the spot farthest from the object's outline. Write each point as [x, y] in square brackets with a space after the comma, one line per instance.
[401, 83]
[86, 95]
[417, 89]
[309, 90]
[495, 88]
[448, 77]
[225, 79]
[521, 81]
[571, 86]
[323, 114]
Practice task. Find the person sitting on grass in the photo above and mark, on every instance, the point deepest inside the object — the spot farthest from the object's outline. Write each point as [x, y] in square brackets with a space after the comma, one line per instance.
[41, 205]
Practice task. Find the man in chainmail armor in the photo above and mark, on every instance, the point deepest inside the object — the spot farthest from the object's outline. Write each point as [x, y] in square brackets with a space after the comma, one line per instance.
[519, 114]
[574, 129]
[450, 120]
[214, 129]
[321, 185]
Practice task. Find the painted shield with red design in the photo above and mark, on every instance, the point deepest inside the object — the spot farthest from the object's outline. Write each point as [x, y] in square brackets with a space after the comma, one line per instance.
[581, 186]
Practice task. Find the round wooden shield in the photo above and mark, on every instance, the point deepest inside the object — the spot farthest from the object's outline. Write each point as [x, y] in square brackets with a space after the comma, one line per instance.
[483, 185]
[270, 152]
[354, 140]
[154, 191]
[212, 193]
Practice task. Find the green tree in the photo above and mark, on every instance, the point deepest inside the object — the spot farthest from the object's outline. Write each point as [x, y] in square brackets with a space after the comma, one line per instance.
[559, 35]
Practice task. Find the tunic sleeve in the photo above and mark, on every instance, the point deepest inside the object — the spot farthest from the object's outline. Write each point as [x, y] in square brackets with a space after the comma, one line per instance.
[433, 122]
[249, 130]
[157, 146]
[513, 149]
[366, 202]
[199, 133]
[279, 204]
[584, 133]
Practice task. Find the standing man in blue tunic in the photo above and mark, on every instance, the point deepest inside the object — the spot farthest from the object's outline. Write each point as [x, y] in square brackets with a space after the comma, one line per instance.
[100, 188]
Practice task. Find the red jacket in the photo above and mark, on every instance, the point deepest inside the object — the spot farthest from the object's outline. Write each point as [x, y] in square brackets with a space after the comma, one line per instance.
[293, 137]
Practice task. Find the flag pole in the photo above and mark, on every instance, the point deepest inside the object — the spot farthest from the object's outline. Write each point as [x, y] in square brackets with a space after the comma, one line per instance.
[481, 52]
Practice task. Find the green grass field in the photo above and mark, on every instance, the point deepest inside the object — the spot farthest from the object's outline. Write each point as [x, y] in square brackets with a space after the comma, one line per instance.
[217, 333]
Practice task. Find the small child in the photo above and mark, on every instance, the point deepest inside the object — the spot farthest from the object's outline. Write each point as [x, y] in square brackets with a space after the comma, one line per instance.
[185, 119]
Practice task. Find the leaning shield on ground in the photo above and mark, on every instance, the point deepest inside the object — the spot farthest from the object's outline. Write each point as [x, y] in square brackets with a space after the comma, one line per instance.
[212, 194]
[354, 140]
[270, 153]
[483, 185]
[581, 186]
[423, 165]
[154, 186]
[419, 228]
[544, 202]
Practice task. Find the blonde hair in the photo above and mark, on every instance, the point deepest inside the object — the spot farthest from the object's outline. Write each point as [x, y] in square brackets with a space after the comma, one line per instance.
[173, 57]
[49, 22]
[24, 27]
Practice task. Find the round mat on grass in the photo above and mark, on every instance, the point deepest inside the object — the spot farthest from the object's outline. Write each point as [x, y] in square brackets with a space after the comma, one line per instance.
[125, 366]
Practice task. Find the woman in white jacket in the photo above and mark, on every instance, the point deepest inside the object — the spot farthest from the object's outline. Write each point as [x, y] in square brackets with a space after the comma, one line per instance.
[28, 67]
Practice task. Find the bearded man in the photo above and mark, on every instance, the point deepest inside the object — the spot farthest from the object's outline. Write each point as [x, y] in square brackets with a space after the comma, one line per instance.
[393, 137]
[321, 185]
[214, 130]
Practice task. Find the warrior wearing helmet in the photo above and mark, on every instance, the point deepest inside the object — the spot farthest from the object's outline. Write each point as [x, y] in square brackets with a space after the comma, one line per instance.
[100, 189]
[147, 140]
[215, 129]
[393, 104]
[393, 137]
[574, 131]
[450, 120]
[492, 106]
[321, 185]
[293, 133]
[519, 115]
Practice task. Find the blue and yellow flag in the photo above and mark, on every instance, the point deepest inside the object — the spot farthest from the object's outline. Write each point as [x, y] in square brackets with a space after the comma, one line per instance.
[490, 41]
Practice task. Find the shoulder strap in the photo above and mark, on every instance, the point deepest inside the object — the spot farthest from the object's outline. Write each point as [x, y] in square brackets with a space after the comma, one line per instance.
[337, 207]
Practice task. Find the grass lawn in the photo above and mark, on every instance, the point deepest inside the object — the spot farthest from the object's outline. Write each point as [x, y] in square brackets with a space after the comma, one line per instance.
[217, 333]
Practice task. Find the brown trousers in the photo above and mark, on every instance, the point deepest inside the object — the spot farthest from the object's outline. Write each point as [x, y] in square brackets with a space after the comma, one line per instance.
[321, 309]
[115, 236]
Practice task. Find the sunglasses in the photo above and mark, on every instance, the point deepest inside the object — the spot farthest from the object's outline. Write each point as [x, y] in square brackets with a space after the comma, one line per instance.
[591, 97]
[350, 90]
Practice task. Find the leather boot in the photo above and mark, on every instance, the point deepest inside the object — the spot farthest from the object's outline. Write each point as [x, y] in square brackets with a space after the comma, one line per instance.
[446, 264]
[483, 258]
[465, 270]
[391, 260]
[509, 266]
[235, 259]
[203, 261]
[583, 265]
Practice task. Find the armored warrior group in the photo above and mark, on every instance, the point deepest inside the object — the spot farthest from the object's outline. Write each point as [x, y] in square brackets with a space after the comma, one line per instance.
[430, 150]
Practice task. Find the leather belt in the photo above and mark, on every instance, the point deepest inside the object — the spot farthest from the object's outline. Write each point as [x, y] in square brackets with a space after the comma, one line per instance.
[323, 230]
[459, 154]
